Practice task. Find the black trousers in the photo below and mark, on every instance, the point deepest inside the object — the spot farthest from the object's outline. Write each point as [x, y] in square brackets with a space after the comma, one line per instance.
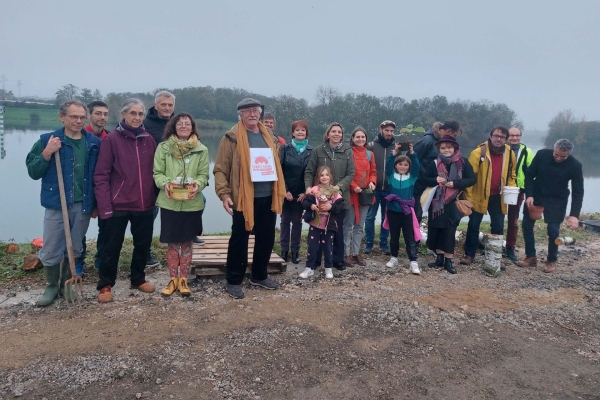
[114, 229]
[264, 239]
[320, 242]
[338, 239]
[400, 221]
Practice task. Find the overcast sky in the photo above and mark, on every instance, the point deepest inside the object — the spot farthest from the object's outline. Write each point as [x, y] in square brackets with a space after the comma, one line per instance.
[538, 57]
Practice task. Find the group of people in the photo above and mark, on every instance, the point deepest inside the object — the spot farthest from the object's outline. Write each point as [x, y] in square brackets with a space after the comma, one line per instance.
[154, 160]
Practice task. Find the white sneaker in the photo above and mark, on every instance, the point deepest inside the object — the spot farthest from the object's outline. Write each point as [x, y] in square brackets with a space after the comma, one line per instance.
[392, 263]
[414, 268]
[306, 273]
[329, 273]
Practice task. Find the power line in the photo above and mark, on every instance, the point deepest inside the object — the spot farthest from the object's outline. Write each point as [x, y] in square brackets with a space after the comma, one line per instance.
[19, 84]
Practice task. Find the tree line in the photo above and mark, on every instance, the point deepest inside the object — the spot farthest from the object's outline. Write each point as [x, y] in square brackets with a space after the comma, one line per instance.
[329, 105]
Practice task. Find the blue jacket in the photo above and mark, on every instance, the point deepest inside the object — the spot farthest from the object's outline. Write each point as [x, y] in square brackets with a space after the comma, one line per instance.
[39, 168]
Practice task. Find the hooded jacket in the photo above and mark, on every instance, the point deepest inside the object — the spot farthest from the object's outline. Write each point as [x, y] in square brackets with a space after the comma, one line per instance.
[39, 168]
[123, 176]
[341, 163]
[381, 150]
[227, 165]
[155, 125]
[479, 194]
[425, 147]
[524, 158]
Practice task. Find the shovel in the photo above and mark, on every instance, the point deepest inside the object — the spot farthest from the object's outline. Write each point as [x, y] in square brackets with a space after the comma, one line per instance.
[75, 279]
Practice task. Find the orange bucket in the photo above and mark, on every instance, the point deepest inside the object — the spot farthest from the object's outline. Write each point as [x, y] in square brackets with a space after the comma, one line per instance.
[535, 212]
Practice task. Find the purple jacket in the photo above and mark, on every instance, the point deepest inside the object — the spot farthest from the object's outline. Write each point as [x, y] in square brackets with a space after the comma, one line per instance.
[123, 178]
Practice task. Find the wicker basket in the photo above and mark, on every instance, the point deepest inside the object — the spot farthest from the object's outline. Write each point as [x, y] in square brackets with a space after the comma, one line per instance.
[178, 192]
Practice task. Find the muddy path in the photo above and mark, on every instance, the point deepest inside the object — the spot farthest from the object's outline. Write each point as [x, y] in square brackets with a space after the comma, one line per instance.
[370, 333]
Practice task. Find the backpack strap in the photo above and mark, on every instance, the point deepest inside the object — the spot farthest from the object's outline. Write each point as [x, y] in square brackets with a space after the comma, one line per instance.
[368, 154]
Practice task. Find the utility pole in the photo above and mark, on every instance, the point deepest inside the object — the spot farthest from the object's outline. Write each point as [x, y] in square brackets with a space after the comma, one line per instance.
[19, 83]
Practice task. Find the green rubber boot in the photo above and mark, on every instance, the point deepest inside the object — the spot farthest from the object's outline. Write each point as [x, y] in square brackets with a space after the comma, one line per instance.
[70, 294]
[51, 293]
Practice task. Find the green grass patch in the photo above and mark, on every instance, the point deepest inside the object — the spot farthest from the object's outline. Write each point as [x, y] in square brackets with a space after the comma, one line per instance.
[31, 118]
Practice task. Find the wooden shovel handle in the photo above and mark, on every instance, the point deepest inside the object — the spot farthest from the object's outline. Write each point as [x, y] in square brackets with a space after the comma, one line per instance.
[65, 213]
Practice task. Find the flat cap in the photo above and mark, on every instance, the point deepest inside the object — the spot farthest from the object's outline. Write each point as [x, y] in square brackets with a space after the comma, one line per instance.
[248, 102]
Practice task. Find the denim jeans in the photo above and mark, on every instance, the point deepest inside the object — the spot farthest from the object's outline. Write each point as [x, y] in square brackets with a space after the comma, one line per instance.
[370, 221]
[553, 230]
[496, 221]
[353, 232]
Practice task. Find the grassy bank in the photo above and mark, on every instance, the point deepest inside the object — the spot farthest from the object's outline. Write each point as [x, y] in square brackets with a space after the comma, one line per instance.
[10, 264]
[30, 118]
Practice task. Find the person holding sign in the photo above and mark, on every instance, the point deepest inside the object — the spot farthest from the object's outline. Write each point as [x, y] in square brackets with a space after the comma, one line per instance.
[249, 181]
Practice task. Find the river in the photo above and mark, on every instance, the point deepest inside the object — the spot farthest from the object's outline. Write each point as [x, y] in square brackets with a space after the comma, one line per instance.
[21, 215]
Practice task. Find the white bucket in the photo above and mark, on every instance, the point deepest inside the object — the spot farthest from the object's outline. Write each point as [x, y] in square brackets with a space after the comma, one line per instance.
[493, 254]
[511, 195]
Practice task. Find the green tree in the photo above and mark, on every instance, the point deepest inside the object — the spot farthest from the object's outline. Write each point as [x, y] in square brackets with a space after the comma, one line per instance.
[86, 95]
[67, 92]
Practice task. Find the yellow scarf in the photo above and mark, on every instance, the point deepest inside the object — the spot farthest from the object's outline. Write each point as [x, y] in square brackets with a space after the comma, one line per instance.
[246, 191]
[179, 148]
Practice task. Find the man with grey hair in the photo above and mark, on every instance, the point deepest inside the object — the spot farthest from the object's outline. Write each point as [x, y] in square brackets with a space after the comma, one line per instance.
[155, 122]
[547, 184]
[253, 200]
[78, 153]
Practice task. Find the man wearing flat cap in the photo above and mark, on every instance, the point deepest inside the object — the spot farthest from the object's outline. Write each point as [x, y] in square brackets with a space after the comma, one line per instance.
[249, 182]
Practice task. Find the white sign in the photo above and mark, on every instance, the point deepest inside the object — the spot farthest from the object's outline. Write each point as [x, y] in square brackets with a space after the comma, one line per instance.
[262, 165]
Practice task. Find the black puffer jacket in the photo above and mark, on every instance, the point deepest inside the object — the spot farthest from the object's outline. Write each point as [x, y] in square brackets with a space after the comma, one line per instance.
[294, 167]
[155, 125]
[381, 150]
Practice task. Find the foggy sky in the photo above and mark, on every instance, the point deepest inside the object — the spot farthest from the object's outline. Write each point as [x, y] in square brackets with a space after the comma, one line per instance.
[538, 57]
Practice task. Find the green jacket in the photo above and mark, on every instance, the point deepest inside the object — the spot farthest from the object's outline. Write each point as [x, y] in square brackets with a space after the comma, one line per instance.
[524, 159]
[167, 168]
[341, 163]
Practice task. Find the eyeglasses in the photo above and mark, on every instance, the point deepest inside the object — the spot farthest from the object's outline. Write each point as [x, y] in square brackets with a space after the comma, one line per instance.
[250, 110]
[77, 118]
[100, 114]
[499, 137]
[136, 114]
[182, 124]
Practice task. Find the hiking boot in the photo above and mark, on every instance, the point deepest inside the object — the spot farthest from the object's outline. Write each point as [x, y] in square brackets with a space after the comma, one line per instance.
[466, 260]
[145, 287]
[550, 267]
[306, 273]
[151, 261]
[368, 248]
[328, 273]
[392, 263]
[511, 255]
[284, 255]
[359, 260]
[266, 283]
[183, 288]
[438, 262]
[105, 296]
[295, 258]
[449, 265]
[414, 268]
[339, 266]
[52, 288]
[528, 262]
[385, 249]
[171, 287]
[349, 261]
[234, 291]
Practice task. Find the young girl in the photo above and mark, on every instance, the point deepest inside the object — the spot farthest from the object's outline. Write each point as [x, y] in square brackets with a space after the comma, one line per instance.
[324, 202]
[400, 208]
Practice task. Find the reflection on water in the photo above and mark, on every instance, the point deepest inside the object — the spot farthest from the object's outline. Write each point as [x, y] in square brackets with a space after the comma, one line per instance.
[21, 215]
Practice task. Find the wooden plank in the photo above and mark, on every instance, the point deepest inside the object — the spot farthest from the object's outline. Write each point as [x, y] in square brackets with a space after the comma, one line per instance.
[223, 258]
[212, 271]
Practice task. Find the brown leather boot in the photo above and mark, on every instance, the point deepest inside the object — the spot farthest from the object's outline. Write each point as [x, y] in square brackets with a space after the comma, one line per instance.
[171, 287]
[360, 261]
[550, 267]
[466, 260]
[349, 261]
[528, 262]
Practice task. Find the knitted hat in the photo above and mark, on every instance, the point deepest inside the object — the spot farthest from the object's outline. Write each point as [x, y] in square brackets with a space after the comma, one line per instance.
[248, 102]
[447, 139]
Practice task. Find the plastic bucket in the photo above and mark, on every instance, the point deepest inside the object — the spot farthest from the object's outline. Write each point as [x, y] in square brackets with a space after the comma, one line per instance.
[535, 212]
[511, 195]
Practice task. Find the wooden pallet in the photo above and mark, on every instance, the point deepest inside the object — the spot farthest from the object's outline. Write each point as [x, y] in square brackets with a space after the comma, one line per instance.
[211, 257]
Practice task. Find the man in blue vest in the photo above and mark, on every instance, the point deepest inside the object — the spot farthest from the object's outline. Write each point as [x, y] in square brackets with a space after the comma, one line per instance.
[78, 150]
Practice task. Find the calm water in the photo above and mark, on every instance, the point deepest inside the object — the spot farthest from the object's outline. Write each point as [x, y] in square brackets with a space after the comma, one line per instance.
[21, 214]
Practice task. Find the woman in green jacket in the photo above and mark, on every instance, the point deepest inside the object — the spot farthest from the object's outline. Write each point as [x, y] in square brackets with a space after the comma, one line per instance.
[180, 158]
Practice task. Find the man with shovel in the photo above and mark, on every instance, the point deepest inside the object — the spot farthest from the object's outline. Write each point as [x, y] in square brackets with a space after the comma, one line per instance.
[78, 152]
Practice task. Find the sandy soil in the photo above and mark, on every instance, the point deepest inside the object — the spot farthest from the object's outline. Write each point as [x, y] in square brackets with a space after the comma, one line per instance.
[370, 333]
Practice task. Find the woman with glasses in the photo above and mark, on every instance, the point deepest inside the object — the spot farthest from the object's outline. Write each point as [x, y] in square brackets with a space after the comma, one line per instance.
[124, 189]
[180, 158]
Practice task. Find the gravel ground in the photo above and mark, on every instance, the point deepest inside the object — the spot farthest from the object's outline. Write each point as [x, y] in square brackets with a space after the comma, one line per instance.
[370, 333]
